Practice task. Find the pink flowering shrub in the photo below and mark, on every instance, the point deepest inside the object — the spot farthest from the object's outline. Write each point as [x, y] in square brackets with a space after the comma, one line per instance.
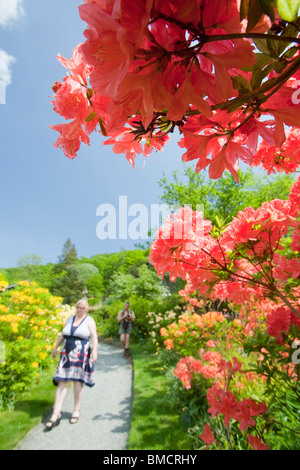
[148, 67]
[248, 266]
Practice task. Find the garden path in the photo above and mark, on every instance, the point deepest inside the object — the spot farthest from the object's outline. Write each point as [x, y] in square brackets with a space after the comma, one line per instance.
[105, 414]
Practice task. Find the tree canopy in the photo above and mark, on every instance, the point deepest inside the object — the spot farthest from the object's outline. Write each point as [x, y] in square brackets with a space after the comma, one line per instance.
[223, 198]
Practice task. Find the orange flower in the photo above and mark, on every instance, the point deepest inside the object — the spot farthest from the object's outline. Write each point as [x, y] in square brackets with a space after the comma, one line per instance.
[169, 343]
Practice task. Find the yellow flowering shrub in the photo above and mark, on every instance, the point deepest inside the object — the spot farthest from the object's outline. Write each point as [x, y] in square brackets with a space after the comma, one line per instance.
[3, 283]
[31, 319]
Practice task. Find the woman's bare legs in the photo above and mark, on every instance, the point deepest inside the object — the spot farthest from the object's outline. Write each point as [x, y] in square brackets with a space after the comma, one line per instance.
[78, 389]
[59, 399]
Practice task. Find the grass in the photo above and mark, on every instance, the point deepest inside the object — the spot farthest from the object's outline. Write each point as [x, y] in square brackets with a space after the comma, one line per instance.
[155, 424]
[27, 413]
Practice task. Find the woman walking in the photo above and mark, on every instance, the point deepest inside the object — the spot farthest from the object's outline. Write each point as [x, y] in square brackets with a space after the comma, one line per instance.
[76, 361]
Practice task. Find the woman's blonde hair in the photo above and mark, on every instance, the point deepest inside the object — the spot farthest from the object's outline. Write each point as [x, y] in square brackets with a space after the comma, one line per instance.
[83, 302]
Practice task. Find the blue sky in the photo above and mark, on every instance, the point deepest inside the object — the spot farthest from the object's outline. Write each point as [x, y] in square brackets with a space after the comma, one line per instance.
[46, 197]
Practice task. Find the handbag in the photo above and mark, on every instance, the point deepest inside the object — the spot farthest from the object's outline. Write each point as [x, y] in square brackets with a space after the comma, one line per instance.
[125, 324]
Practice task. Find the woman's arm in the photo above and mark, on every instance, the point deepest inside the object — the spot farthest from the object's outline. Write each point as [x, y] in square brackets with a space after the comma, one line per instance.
[94, 338]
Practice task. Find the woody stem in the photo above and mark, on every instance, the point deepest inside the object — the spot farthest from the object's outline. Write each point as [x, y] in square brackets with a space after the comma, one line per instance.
[223, 37]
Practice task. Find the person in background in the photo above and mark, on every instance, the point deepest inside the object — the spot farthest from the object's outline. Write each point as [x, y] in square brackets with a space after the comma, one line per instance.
[125, 318]
[76, 361]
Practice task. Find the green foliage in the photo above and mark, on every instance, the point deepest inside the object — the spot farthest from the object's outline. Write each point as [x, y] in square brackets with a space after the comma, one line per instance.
[106, 319]
[29, 259]
[254, 9]
[155, 422]
[95, 286]
[288, 9]
[68, 286]
[126, 262]
[43, 274]
[145, 284]
[121, 286]
[86, 271]
[223, 198]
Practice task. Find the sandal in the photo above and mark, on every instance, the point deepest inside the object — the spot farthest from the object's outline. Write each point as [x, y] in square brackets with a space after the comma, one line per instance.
[51, 424]
[74, 419]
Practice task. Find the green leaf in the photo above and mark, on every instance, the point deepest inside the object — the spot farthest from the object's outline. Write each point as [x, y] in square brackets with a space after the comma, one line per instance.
[244, 10]
[288, 9]
[262, 46]
[280, 66]
[261, 61]
[241, 84]
[268, 7]
[90, 117]
[290, 52]
[258, 75]
[234, 106]
[254, 14]
[102, 127]
[290, 31]
[274, 47]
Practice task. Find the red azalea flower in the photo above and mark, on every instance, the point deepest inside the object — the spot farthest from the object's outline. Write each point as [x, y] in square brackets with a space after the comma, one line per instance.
[256, 443]
[207, 436]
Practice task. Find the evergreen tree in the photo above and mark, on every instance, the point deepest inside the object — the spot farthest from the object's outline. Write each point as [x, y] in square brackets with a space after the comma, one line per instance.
[68, 257]
[68, 284]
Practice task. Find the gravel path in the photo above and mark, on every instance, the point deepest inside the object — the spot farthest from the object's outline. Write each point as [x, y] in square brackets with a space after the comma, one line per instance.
[105, 410]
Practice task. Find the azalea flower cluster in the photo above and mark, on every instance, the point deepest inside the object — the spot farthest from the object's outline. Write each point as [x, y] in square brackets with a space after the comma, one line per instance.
[247, 265]
[224, 402]
[147, 67]
[220, 377]
[191, 324]
[214, 369]
[279, 159]
[243, 263]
